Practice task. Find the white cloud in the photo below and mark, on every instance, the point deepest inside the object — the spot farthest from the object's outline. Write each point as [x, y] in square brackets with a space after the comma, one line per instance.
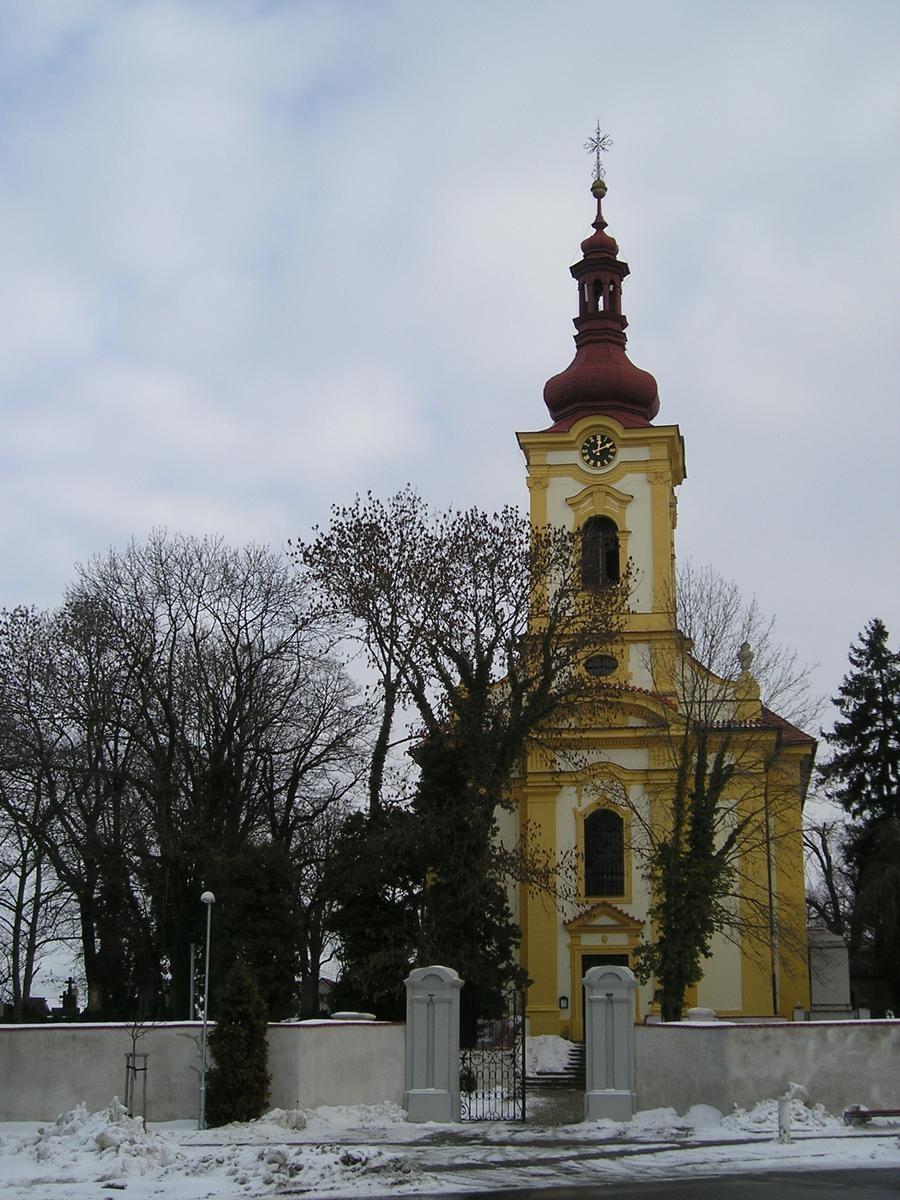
[259, 256]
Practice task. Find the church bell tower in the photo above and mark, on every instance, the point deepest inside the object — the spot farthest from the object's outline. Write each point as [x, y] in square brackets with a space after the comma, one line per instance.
[605, 471]
[602, 466]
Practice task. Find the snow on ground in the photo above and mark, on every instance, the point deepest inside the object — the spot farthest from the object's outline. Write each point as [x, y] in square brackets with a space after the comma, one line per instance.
[546, 1052]
[369, 1150]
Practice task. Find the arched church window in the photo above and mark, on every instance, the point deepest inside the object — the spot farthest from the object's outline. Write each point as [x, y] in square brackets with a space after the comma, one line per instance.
[599, 552]
[604, 853]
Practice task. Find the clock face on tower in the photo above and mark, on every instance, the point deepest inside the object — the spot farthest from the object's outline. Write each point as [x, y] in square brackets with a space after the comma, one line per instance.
[598, 450]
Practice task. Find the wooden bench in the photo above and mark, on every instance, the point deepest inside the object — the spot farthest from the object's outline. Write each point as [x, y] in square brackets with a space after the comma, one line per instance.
[856, 1115]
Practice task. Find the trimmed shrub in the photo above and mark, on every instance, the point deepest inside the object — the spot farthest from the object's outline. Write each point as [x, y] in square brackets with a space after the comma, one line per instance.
[238, 1084]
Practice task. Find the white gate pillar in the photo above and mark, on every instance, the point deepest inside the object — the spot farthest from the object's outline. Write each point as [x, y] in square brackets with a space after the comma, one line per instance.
[432, 1044]
[609, 1037]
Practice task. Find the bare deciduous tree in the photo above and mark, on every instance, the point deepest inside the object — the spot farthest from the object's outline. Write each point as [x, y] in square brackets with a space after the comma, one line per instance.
[478, 624]
[832, 880]
[36, 914]
[182, 705]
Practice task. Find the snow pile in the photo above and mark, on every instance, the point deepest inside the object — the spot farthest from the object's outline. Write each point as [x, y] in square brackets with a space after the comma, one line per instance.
[365, 1150]
[284, 1118]
[353, 1116]
[704, 1123]
[658, 1123]
[704, 1119]
[328, 1121]
[271, 1127]
[763, 1117]
[120, 1142]
[309, 1167]
[546, 1053]
[84, 1149]
[664, 1124]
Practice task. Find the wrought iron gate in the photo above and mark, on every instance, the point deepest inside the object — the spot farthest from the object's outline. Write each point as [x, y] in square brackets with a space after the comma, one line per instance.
[492, 1066]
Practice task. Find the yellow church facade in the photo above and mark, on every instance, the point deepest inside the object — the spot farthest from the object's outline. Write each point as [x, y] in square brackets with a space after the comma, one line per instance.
[604, 470]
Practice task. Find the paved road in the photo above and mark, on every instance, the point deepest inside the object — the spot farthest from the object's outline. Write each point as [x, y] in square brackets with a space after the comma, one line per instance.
[870, 1184]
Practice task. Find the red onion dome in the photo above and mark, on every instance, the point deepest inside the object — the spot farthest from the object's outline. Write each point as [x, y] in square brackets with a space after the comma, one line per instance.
[601, 378]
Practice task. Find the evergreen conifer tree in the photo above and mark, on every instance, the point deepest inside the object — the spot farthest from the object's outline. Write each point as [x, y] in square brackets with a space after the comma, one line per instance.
[863, 774]
[238, 1085]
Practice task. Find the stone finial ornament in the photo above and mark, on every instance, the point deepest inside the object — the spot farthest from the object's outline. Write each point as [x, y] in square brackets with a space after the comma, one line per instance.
[745, 656]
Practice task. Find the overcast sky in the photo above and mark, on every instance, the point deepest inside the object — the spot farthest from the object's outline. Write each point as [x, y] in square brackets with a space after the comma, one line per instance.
[259, 256]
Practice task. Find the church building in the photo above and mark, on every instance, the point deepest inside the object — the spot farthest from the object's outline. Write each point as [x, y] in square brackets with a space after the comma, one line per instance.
[605, 467]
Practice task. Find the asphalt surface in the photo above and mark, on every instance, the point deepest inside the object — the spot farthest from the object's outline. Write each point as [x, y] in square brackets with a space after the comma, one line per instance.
[865, 1184]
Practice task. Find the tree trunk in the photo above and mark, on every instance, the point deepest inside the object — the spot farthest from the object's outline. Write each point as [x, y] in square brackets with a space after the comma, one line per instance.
[89, 955]
[313, 944]
[16, 948]
[31, 942]
[309, 992]
[382, 745]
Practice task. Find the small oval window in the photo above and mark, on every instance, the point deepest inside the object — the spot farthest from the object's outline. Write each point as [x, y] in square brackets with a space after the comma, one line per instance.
[601, 664]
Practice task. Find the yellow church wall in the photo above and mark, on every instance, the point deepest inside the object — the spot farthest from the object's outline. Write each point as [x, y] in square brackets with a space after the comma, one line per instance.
[720, 987]
[640, 543]
[508, 835]
[628, 501]
[605, 749]
[537, 487]
[539, 918]
[559, 489]
[648, 523]
[574, 803]
[662, 554]
[756, 980]
[640, 668]
[788, 852]
[638, 493]
[734, 983]
[756, 989]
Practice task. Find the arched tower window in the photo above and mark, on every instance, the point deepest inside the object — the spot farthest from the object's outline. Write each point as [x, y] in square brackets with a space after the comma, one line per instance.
[599, 552]
[604, 853]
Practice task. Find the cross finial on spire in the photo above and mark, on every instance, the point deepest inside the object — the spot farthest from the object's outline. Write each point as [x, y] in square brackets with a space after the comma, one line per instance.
[597, 145]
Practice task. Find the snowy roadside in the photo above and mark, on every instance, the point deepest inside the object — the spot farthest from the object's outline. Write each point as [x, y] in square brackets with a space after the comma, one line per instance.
[371, 1150]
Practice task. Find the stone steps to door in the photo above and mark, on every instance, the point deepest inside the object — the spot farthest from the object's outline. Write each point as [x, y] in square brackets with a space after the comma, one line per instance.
[570, 1076]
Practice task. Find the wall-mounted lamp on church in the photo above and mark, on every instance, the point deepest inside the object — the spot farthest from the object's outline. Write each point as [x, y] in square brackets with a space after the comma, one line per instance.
[564, 1002]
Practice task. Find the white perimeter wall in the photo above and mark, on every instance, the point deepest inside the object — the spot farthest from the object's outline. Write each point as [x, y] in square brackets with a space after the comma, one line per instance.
[840, 1063]
[47, 1069]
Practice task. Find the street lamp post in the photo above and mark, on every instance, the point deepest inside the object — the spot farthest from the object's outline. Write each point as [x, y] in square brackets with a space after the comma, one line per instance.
[193, 980]
[209, 900]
